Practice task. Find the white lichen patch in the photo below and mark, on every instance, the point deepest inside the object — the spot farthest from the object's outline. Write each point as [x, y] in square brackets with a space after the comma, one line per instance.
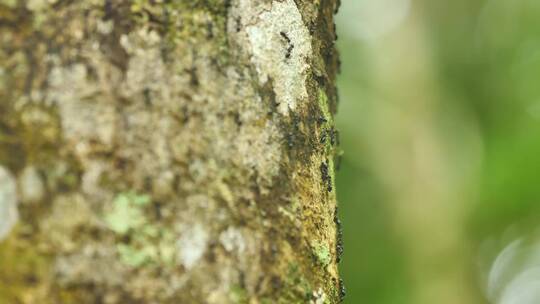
[192, 245]
[146, 69]
[281, 48]
[31, 186]
[105, 27]
[91, 177]
[261, 149]
[232, 240]
[83, 116]
[8, 203]
[92, 264]
[319, 297]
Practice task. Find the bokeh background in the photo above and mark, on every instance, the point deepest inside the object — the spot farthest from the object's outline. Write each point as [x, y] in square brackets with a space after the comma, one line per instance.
[440, 123]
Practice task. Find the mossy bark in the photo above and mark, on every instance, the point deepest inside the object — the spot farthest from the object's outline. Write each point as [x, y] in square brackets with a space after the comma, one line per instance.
[168, 151]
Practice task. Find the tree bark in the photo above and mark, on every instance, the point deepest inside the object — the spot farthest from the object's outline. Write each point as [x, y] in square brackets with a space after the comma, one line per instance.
[168, 152]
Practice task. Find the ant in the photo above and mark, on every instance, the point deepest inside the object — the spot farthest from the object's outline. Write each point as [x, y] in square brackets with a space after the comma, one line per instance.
[289, 42]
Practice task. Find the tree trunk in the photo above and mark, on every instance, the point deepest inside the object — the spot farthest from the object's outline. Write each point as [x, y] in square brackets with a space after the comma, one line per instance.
[156, 151]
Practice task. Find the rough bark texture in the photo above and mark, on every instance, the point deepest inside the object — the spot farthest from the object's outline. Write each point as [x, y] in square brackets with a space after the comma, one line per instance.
[168, 151]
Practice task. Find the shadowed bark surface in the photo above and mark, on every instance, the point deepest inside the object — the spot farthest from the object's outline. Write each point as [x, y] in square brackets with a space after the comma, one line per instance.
[168, 152]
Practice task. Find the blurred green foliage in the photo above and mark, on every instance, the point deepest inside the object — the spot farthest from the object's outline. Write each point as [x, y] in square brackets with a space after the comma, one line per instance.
[485, 58]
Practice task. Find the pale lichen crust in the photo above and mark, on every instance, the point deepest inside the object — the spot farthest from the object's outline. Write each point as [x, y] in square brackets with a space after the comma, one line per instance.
[9, 214]
[281, 51]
